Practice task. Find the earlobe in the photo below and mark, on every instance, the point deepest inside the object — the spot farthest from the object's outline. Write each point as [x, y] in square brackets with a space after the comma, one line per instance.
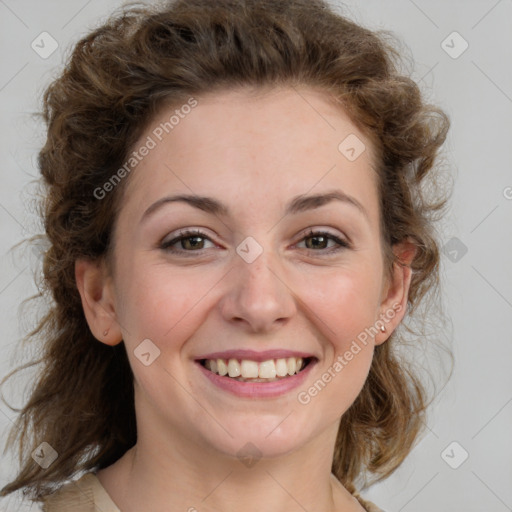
[394, 302]
[98, 304]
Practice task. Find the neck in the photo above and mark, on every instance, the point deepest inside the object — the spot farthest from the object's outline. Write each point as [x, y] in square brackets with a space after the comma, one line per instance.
[164, 474]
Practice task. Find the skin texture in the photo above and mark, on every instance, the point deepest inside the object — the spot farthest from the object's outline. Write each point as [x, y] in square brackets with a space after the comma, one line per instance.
[254, 153]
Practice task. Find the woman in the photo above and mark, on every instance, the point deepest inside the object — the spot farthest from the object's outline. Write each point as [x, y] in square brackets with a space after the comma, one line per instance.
[238, 224]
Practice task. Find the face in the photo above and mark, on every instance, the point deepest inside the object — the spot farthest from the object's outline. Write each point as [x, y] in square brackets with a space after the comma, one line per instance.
[259, 271]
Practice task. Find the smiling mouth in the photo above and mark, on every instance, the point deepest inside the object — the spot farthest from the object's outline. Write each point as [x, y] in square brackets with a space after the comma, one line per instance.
[245, 370]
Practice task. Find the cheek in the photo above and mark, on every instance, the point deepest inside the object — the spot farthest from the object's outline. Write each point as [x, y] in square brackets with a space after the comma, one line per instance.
[346, 301]
[346, 312]
[345, 304]
[161, 304]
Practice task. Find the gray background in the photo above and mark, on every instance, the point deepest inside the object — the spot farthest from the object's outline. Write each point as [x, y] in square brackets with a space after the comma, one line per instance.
[475, 88]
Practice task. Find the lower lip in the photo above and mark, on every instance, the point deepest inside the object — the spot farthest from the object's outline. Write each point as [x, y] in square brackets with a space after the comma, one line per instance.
[258, 389]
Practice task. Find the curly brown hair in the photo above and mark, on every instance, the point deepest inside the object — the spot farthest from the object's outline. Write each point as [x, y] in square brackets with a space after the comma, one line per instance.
[115, 81]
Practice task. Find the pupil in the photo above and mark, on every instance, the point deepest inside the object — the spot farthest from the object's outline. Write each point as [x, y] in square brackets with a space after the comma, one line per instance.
[194, 244]
[318, 238]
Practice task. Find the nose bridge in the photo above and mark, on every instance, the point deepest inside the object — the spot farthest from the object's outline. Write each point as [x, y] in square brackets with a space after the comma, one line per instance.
[258, 293]
[261, 273]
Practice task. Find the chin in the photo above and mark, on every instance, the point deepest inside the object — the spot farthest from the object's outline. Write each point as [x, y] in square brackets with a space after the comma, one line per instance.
[268, 437]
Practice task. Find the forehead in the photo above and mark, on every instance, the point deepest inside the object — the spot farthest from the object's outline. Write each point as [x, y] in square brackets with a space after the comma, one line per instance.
[261, 143]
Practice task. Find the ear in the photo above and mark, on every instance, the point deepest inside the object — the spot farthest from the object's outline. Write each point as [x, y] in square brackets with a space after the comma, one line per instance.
[396, 290]
[95, 287]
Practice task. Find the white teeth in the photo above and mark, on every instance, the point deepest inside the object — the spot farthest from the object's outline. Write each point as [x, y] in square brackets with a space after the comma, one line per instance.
[267, 369]
[247, 369]
[222, 368]
[234, 368]
[281, 368]
[292, 365]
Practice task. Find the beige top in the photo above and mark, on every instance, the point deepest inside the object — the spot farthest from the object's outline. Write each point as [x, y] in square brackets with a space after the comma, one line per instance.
[88, 495]
[83, 495]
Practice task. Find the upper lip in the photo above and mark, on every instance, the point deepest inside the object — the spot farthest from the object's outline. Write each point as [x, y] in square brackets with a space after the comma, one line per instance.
[253, 355]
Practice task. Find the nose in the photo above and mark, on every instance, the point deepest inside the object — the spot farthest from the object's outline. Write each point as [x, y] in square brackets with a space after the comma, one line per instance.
[258, 296]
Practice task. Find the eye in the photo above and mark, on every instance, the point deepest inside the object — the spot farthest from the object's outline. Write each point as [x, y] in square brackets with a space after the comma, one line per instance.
[191, 241]
[321, 239]
[194, 240]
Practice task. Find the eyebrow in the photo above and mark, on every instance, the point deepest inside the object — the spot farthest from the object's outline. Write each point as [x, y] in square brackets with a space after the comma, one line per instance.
[298, 204]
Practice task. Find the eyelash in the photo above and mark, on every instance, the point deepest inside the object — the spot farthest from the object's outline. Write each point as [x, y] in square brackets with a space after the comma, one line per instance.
[183, 235]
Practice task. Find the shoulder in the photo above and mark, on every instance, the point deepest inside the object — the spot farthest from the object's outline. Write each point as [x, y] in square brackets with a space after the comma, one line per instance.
[83, 495]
